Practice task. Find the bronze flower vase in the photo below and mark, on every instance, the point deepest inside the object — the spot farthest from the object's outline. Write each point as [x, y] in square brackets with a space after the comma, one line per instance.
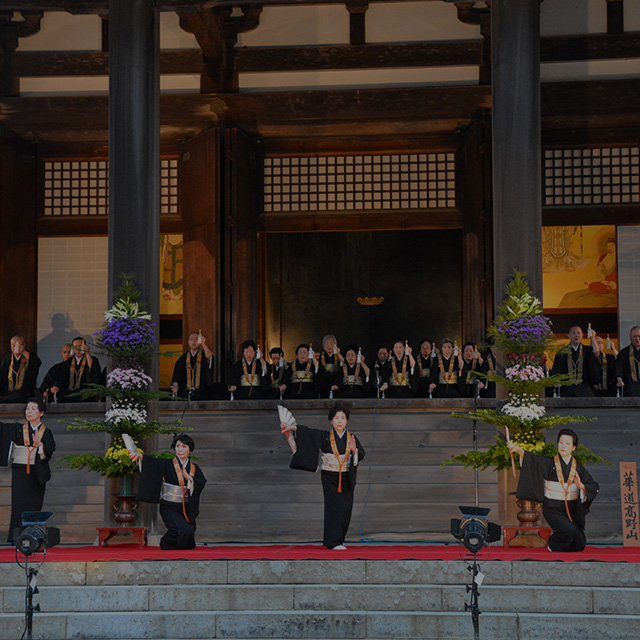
[126, 503]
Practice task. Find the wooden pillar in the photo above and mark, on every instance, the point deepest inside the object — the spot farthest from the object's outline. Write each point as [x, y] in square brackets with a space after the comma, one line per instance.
[134, 148]
[472, 160]
[241, 243]
[18, 245]
[517, 198]
[200, 199]
[516, 148]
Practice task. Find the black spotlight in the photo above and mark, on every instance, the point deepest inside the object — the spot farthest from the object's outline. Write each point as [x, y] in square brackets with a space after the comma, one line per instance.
[34, 536]
[473, 530]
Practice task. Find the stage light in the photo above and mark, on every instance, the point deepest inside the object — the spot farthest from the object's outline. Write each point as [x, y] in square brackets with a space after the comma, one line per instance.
[473, 529]
[35, 536]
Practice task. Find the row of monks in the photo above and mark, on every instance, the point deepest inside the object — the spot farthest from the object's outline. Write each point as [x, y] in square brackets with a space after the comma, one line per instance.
[443, 371]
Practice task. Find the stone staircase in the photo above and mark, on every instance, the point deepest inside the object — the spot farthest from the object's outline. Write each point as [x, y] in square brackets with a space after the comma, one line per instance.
[363, 599]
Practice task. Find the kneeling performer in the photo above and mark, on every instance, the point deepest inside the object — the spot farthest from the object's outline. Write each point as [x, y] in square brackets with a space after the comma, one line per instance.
[176, 485]
[565, 488]
[341, 452]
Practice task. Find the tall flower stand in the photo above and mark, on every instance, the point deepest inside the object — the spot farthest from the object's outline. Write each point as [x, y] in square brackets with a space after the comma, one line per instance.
[125, 515]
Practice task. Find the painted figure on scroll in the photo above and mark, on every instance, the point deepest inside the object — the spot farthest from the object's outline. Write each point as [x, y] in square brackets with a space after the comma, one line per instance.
[176, 485]
[563, 486]
[340, 452]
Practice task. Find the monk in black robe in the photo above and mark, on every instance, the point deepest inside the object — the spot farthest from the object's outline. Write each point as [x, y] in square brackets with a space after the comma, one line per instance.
[193, 371]
[402, 379]
[489, 366]
[563, 486]
[303, 378]
[628, 366]
[248, 379]
[579, 362]
[445, 372]
[352, 378]
[607, 366]
[50, 377]
[470, 384]
[176, 486]
[424, 362]
[380, 366]
[275, 373]
[73, 375]
[18, 373]
[330, 360]
[341, 452]
[28, 448]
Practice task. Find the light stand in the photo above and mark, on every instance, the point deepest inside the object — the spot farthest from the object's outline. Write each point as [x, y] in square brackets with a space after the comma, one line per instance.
[474, 531]
[34, 538]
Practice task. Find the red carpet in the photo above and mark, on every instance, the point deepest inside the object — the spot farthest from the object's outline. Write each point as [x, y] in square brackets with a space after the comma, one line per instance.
[311, 552]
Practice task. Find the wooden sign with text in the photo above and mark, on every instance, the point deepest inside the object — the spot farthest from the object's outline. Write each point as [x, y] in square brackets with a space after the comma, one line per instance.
[629, 502]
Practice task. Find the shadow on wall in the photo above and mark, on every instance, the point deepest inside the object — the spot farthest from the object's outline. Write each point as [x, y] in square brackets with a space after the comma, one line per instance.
[49, 348]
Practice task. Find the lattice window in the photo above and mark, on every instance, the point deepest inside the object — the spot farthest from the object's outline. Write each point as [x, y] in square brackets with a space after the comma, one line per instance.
[359, 183]
[592, 176]
[80, 188]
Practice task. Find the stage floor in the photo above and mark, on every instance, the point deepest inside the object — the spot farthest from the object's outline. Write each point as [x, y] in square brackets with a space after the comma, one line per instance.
[128, 553]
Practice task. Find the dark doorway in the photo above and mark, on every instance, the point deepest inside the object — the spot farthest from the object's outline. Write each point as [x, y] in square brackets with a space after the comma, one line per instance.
[314, 280]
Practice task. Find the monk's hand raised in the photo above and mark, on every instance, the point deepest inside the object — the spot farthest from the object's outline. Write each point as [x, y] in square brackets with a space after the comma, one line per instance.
[352, 444]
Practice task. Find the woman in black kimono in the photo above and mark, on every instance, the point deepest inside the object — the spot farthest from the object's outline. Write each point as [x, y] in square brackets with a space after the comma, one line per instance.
[341, 452]
[444, 372]
[402, 379]
[176, 485]
[28, 447]
[249, 380]
[469, 383]
[304, 377]
[565, 488]
[352, 376]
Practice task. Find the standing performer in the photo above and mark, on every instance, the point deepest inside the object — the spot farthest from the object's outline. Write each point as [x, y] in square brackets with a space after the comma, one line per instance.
[249, 380]
[176, 485]
[565, 488]
[29, 448]
[341, 452]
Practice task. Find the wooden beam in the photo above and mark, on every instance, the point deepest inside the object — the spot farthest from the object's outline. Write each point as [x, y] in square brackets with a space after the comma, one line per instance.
[33, 64]
[365, 221]
[626, 214]
[102, 6]
[357, 28]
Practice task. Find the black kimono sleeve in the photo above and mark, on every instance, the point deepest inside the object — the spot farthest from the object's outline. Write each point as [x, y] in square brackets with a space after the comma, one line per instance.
[308, 442]
[8, 433]
[534, 470]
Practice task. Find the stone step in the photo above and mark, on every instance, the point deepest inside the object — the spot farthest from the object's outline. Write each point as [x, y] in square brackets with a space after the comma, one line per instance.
[312, 624]
[352, 598]
[325, 572]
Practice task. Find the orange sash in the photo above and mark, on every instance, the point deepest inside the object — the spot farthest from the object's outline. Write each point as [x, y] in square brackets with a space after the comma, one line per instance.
[178, 469]
[27, 442]
[334, 450]
[565, 487]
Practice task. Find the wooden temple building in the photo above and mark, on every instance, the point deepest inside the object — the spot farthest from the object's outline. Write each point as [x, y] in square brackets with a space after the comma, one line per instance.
[298, 157]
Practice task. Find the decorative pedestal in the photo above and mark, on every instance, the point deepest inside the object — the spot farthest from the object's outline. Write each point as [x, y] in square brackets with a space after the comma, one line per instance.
[525, 536]
[137, 535]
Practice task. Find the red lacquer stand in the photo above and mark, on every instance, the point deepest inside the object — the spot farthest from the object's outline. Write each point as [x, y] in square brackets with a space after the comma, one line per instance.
[138, 535]
[530, 536]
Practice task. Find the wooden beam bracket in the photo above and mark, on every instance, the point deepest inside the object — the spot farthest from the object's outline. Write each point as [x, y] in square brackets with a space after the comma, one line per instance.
[10, 33]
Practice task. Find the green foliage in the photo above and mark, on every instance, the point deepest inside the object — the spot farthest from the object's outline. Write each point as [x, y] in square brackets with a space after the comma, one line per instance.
[497, 455]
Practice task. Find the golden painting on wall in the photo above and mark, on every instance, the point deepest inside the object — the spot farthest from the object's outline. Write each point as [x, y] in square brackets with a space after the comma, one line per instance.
[171, 274]
[580, 268]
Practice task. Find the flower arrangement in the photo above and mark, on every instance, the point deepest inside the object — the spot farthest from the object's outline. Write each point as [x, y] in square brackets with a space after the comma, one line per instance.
[523, 334]
[128, 337]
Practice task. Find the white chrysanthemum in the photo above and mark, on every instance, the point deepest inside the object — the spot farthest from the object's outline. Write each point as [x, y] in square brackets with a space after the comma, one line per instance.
[523, 411]
[126, 411]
